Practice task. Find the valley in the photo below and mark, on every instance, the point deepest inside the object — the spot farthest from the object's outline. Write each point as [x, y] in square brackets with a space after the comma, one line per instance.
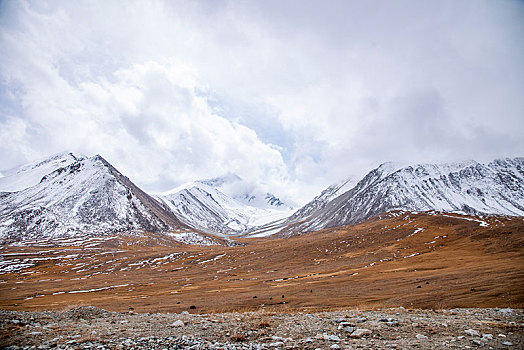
[414, 260]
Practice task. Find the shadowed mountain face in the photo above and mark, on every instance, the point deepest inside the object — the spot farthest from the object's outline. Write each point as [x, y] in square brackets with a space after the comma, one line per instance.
[496, 188]
[87, 195]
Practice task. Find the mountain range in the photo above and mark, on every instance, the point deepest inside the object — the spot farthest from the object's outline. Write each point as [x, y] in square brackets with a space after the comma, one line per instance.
[495, 188]
[201, 204]
[69, 194]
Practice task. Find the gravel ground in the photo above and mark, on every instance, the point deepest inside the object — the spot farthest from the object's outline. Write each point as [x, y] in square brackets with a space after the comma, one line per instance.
[93, 328]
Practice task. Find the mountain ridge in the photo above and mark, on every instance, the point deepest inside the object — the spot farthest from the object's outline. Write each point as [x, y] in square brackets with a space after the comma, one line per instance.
[86, 196]
[495, 188]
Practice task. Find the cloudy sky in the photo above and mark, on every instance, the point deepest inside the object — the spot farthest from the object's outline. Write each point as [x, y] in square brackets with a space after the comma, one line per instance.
[292, 95]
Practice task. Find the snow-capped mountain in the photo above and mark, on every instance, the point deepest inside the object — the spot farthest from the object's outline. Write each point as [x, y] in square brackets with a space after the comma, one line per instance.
[247, 193]
[201, 204]
[77, 196]
[320, 201]
[496, 188]
[28, 175]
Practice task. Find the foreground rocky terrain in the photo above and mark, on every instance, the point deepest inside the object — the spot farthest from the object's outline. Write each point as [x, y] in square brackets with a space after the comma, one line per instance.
[93, 328]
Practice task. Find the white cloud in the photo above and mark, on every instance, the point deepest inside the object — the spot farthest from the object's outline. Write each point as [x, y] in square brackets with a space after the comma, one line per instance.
[291, 96]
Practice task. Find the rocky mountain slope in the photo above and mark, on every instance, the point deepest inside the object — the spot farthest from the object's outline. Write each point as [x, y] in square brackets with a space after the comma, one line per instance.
[79, 195]
[495, 188]
[201, 204]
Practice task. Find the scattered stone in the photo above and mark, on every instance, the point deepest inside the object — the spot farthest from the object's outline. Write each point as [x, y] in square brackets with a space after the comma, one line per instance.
[472, 332]
[343, 325]
[486, 337]
[361, 319]
[506, 311]
[349, 329]
[360, 332]
[276, 344]
[177, 323]
[331, 337]
[435, 329]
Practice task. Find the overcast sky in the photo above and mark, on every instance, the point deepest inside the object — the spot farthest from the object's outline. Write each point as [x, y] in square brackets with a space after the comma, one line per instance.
[292, 95]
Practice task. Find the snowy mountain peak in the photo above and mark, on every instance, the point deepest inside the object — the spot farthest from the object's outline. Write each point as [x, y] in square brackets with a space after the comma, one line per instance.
[206, 207]
[496, 188]
[86, 196]
[28, 175]
[218, 182]
[245, 192]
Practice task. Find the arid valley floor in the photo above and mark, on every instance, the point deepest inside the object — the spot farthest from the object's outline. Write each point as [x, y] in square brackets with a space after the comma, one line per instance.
[420, 262]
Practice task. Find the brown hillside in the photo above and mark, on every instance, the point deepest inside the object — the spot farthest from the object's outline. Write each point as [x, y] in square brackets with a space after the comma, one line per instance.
[402, 259]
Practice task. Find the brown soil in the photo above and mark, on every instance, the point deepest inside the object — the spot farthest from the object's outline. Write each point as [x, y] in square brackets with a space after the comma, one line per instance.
[452, 262]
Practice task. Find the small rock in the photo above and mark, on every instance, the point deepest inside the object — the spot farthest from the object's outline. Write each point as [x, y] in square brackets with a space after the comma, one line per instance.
[461, 337]
[472, 332]
[339, 320]
[349, 329]
[361, 319]
[502, 335]
[177, 323]
[486, 337]
[276, 344]
[331, 337]
[506, 311]
[15, 321]
[185, 313]
[35, 333]
[507, 343]
[477, 342]
[421, 336]
[345, 324]
[308, 340]
[360, 332]
[128, 343]
[335, 346]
